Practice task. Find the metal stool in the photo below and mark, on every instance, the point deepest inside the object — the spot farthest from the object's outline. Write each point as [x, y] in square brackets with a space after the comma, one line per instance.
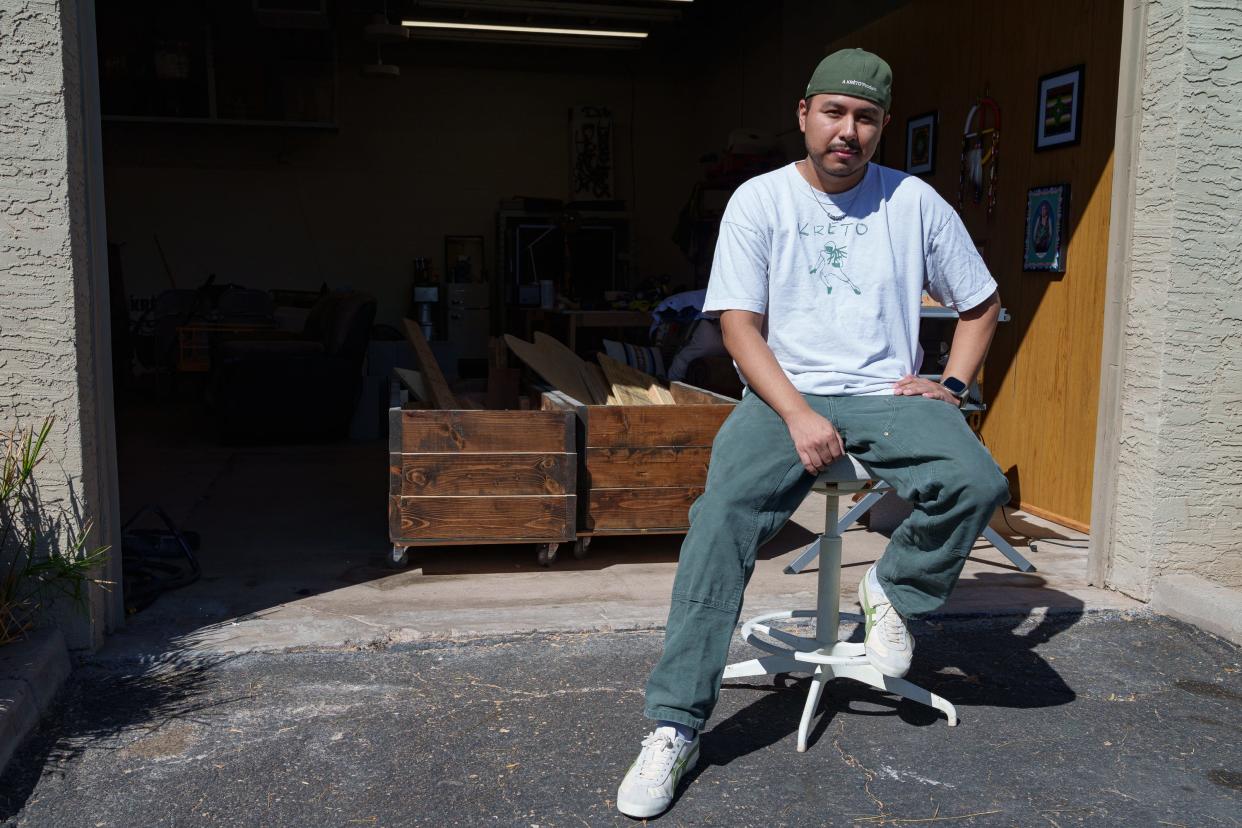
[825, 656]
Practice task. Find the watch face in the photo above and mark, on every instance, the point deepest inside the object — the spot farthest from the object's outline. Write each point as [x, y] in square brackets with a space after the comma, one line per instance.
[955, 386]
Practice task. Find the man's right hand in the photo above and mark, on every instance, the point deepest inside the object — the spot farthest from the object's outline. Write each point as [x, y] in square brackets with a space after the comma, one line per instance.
[816, 440]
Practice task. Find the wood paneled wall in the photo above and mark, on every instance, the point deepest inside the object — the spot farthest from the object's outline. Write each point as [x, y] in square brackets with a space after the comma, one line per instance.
[1042, 374]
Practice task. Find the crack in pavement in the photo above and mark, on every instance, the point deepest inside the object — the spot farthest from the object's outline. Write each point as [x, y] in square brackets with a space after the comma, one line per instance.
[852, 761]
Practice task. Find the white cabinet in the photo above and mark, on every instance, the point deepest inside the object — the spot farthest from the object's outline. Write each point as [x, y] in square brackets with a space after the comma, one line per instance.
[469, 319]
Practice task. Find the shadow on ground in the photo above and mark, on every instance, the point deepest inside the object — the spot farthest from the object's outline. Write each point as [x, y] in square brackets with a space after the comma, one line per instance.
[972, 663]
[115, 710]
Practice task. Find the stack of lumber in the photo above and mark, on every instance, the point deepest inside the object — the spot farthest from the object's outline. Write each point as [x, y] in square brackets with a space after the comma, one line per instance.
[608, 383]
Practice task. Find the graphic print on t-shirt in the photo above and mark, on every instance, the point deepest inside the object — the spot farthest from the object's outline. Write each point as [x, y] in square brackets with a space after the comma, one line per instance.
[831, 263]
[831, 256]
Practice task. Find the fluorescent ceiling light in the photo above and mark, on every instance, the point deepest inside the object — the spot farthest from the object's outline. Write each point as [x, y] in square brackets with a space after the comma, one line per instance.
[665, 13]
[520, 30]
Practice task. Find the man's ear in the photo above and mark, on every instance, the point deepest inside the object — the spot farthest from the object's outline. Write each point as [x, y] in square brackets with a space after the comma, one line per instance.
[803, 108]
[887, 118]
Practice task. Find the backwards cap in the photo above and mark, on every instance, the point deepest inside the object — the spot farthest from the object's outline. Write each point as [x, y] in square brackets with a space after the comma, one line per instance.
[853, 72]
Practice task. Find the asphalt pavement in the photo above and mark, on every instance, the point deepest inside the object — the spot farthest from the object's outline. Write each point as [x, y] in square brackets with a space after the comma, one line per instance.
[1067, 719]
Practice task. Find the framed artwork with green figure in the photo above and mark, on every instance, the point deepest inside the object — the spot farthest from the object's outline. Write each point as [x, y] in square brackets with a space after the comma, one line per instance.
[1046, 209]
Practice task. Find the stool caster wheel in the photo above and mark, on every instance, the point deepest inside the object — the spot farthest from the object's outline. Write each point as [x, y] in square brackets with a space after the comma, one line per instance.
[547, 553]
[581, 545]
[398, 558]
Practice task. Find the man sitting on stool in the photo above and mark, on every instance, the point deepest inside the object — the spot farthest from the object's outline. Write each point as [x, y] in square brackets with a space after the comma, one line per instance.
[818, 278]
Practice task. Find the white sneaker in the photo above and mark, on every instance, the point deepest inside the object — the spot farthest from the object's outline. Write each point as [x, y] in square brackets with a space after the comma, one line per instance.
[650, 783]
[889, 645]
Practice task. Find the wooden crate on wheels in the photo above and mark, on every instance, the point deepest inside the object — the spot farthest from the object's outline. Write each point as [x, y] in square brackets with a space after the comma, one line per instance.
[641, 467]
[460, 477]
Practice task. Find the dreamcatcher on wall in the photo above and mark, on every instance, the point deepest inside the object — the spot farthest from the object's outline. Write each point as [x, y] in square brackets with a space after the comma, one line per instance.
[980, 155]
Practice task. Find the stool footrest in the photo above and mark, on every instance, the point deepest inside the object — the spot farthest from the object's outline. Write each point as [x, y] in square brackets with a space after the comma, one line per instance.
[800, 648]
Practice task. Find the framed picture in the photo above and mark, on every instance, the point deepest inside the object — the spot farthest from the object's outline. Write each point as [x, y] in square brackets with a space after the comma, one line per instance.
[590, 153]
[1046, 210]
[921, 144]
[1058, 120]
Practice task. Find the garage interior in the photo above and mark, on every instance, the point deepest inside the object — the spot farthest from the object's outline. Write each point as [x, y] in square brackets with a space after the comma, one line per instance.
[288, 180]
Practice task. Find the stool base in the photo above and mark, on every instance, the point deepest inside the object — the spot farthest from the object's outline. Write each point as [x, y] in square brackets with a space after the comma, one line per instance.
[823, 662]
[825, 657]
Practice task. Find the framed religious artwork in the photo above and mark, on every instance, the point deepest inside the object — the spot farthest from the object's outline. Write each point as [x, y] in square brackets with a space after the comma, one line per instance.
[921, 144]
[1058, 119]
[1046, 212]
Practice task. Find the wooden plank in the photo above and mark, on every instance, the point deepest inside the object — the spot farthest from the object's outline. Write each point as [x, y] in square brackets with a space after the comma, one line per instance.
[437, 387]
[610, 468]
[558, 401]
[684, 394]
[562, 374]
[661, 395]
[503, 382]
[644, 508]
[628, 387]
[477, 474]
[623, 426]
[481, 431]
[625, 380]
[629, 394]
[596, 386]
[413, 381]
[657, 530]
[599, 384]
[527, 519]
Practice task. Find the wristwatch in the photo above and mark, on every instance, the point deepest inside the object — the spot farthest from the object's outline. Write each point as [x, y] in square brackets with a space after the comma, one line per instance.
[957, 388]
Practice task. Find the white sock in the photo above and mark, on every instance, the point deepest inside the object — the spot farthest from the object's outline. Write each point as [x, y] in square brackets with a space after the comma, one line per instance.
[877, 591]
[673, 730]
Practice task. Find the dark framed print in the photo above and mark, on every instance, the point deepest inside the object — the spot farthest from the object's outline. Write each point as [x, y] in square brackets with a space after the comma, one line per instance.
[1046, 211]
[1058, 120]
[921, 144]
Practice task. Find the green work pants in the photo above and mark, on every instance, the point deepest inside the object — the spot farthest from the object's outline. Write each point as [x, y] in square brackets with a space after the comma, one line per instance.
[922, 447]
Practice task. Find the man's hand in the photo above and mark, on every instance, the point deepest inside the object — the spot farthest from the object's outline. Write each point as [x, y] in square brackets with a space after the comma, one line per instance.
[912, 386]
[816, 440]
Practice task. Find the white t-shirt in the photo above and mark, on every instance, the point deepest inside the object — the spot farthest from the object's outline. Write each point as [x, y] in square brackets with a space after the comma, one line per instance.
[841, 277]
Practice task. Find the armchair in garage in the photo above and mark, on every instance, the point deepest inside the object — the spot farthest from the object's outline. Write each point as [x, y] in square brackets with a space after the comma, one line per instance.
[301, 387]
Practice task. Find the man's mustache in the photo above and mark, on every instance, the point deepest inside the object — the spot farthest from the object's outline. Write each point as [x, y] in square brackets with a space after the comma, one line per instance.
[849, 146]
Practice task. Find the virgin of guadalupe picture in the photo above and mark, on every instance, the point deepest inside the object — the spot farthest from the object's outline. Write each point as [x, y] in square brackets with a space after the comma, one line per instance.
[1045, 228]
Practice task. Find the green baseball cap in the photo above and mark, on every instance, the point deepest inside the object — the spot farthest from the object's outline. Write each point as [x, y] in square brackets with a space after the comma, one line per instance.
[853, 72]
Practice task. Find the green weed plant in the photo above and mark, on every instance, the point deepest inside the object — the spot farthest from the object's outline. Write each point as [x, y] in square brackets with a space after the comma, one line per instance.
[42, 557]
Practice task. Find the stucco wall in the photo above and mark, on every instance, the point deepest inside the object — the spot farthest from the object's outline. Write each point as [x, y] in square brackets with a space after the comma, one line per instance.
[47, 336]
[1178, 510]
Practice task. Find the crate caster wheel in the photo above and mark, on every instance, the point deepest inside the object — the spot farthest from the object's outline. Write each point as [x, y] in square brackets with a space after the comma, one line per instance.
[398, 557]
[547, 553]
[581, 546]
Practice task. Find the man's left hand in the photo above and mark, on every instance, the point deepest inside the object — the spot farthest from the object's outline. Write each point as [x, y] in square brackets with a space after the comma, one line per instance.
[912, 386]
